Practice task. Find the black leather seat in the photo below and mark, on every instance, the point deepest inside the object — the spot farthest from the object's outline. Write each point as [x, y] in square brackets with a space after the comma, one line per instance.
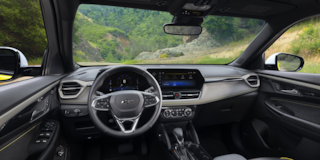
[239, 157]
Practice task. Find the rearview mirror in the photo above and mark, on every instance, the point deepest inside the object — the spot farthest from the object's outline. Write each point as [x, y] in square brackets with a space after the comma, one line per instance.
[11, 60]
[176, 29]
[285, 62]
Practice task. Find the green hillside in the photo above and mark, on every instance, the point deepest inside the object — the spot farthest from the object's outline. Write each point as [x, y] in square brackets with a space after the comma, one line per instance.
[103, 38]
[144, 32]
[21, 27]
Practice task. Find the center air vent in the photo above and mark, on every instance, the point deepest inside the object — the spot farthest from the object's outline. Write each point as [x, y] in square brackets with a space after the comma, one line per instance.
[190, 94]
[70, 89]
[180, 95]
[253, 80]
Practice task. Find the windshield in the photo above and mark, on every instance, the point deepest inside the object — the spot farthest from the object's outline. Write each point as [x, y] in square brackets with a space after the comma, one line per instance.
[105, 35]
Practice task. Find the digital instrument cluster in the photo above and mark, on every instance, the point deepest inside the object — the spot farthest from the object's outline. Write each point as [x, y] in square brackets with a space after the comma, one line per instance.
[124, 81]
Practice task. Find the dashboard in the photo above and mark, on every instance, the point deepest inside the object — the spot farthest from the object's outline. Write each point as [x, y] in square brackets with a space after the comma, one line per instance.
[205, 94]
[180, 84]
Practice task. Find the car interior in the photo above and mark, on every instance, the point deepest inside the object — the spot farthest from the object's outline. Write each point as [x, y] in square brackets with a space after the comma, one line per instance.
[246, 109]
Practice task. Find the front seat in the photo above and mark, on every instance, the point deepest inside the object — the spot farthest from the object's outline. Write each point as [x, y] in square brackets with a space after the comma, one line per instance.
[239, 157]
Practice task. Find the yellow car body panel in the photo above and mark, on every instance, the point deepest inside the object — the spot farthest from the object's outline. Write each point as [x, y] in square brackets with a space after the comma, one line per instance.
[4, 77]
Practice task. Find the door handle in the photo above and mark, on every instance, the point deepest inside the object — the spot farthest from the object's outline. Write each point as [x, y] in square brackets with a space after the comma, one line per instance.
[293, 91]
[41, 109]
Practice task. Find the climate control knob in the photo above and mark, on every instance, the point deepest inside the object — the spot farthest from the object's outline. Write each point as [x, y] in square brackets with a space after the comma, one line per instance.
[188, 112]
[167, 113]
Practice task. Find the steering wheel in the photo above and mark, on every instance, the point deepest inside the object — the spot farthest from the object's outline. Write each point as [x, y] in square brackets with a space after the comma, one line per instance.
[125, 105]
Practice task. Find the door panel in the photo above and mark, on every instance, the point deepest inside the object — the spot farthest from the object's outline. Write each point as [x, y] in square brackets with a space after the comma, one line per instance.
[285, 119]
[26, 132]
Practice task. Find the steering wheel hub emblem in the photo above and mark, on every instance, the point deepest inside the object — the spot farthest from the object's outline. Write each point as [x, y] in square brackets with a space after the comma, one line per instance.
[127, 101]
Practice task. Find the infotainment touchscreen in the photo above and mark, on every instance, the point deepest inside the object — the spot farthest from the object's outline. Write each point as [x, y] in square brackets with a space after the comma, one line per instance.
[178, 78]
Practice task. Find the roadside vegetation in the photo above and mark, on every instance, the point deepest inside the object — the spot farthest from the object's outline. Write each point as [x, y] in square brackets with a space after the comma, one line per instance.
[111, 35]
[302, 39]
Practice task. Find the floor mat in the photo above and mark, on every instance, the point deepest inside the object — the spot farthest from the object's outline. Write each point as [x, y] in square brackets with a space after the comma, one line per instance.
[124, 158]
[213, 147]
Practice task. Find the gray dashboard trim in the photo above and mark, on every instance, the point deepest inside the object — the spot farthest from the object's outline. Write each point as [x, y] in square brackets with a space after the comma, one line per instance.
[219, 79]
[15, 110]
[292, 81]
[212, 92]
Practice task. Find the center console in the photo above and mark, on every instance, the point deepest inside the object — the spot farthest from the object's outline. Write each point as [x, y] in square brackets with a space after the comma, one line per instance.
[179, 141]
[178, 85]
[176, 132]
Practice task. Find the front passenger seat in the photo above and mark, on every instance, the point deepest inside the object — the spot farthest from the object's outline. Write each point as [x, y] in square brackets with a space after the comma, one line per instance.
[239, 157]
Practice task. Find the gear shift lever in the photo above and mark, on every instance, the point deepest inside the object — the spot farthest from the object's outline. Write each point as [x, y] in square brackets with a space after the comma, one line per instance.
[178, 133]
[181, 150]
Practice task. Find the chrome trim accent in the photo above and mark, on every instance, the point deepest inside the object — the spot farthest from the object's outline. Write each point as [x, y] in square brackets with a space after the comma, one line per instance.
[231, 79]
[1, 127]
[293, 91]
[303, 84]
[222, 79]
[82, 83]
[38, 114]
[134, 120]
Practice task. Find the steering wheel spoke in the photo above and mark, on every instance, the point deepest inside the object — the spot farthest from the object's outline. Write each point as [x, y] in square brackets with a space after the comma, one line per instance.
[150, 99]
[102, 103]
[121, 121]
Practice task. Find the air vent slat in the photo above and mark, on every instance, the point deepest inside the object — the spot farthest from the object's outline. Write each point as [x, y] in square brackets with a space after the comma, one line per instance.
[70, 88]
[253, 80]
[183, 95]
[190, 95]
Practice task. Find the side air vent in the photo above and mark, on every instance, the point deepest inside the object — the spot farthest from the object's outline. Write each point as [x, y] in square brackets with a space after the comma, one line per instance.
[190, 95]
[253, 81]
[71, 89]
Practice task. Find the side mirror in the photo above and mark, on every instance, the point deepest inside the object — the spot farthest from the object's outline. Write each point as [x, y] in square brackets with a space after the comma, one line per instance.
[177, 29]
[284, 62]
[11, 60]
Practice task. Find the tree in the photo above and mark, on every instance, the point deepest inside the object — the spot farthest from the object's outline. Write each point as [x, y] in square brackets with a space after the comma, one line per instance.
[21, 27]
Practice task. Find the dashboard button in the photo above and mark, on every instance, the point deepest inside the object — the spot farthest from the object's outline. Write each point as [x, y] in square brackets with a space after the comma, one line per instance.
[167, 113]
[174, 113]
[177, 95]
[188, 112]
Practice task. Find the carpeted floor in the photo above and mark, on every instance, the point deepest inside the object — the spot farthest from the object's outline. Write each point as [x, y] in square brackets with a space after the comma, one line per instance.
[212, 146]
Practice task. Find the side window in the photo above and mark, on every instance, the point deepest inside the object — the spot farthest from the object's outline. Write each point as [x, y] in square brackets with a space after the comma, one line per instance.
[303, 39]
[22, 28]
